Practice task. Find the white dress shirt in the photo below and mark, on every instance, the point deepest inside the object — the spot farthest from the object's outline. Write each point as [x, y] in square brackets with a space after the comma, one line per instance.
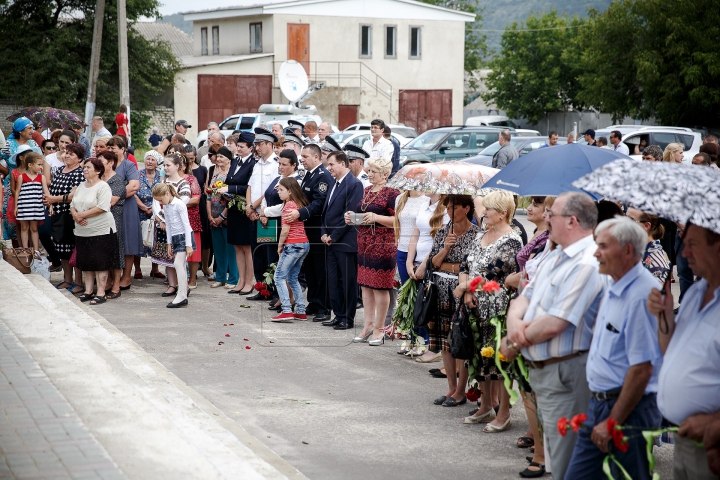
[264, 172]
[382, 149]
[337, 184]
[622, 148]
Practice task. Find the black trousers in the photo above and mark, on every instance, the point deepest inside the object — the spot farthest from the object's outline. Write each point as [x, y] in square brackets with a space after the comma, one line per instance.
[316, 277]
[342, 269]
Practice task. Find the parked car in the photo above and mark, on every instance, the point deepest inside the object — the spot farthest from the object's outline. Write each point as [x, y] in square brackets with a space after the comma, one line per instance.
[399, 128]
[525, 132]
[657, 135]
[359, 137]
[449, 143]
[490, 121]
[247, 122]
[522, 144]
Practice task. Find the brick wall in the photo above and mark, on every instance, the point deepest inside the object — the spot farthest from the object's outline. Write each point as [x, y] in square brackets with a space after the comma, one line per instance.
[7, 109]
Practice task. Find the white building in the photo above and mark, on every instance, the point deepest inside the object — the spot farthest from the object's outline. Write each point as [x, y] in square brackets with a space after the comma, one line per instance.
[399, 60]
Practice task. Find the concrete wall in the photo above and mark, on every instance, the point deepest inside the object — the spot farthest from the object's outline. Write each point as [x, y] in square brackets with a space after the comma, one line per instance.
[234, 35]
[6, 109]
[326, 101]
[186, 86]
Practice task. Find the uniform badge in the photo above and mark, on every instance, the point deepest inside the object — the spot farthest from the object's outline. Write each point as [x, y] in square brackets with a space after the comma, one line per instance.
[322, 187]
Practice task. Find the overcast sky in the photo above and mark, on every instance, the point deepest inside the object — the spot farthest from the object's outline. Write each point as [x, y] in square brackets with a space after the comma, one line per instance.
[168, 7]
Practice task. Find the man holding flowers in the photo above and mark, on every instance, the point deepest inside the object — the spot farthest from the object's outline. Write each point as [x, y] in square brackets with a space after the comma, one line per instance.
[623, 362]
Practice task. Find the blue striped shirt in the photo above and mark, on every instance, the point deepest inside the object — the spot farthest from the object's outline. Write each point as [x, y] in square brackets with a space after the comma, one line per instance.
[567, 285]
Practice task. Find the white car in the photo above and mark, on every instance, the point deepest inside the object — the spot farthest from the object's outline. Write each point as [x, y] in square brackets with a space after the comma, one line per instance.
[402, 130]
[239, 121]
[660, 136]
[359, 137]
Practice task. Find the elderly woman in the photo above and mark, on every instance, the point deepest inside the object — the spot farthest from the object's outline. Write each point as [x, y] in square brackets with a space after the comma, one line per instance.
[95, 236]
[227, 270]
[271, 206]
[376, 249]
[21, 135]
[673, 153]
[65, 180]
[654, 259]
[492, 258]
[452, 244]
[117, 187]
[148, 177]
[132, 238]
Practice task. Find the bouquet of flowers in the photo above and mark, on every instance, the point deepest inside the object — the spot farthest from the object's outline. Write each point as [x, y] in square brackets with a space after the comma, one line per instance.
[237, 202]
[402, 325]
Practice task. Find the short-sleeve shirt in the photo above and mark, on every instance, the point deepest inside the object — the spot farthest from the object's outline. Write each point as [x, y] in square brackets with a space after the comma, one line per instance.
[99, 195]
[297, 229]
[568, 286]
[625, 333]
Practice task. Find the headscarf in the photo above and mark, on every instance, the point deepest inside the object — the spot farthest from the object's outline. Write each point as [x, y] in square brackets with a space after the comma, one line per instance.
[20, 124]
[156, 155]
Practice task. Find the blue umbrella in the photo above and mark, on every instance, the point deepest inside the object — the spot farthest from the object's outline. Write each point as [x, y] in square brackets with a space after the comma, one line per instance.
[551, 171]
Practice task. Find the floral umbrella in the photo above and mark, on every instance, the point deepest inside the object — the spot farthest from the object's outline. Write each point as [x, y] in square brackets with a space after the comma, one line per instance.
[446, 178]
[48, 117]
[681, 193]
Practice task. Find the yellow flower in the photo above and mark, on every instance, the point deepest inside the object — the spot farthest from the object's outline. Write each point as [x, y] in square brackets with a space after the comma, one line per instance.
[502, 357]
[218, 184]
[487, 352]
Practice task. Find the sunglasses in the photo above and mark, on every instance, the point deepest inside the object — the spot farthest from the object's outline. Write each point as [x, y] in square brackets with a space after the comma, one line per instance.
[51, 148]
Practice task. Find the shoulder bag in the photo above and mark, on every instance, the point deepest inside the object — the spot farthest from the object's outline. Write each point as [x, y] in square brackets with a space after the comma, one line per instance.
[20, 258]
[426, 301]
[148, 232]
[460, 337]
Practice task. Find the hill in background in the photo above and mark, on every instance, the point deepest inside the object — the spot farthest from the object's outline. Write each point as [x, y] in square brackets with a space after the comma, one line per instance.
[177, 20]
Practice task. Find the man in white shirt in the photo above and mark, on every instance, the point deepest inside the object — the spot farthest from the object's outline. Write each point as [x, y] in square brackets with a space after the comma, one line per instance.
[618, 145]
[324, 130]
[378, 146]
[98, 127]
[311, 132]
[357, 156]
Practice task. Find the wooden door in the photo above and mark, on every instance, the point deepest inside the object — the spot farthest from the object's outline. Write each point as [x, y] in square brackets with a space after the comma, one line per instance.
[347, 115]
[298, 37]
[220, 96]
[425, 109]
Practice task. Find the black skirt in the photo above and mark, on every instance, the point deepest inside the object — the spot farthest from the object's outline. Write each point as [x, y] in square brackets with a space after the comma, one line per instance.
[98, 253]
[241, 230]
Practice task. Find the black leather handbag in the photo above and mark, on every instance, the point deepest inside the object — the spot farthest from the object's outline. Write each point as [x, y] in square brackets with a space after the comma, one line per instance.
[63, 228]
[460, 337]
[426, 301]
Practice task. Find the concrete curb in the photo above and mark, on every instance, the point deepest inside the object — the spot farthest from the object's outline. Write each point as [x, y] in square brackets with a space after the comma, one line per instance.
[150, 422]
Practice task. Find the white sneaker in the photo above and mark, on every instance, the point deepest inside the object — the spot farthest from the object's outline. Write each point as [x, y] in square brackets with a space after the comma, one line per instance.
[228, 286]
[217, 284]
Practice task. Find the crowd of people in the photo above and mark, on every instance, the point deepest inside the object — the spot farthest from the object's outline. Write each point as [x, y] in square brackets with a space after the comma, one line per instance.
[586, 307]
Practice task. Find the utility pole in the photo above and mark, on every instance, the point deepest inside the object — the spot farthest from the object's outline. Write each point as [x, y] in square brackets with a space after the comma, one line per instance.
[94, 66]
[123, 58]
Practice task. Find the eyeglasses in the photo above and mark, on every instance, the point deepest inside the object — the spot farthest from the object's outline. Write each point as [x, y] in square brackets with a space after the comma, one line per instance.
[50, 148]
[550, 214]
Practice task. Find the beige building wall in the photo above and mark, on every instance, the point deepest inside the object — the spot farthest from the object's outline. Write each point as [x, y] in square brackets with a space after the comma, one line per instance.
[234, 35]
[186, 86]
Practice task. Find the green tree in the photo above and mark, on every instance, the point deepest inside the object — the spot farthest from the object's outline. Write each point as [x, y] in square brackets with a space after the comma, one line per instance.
[45, 57]
[535, 72]
[475, 42]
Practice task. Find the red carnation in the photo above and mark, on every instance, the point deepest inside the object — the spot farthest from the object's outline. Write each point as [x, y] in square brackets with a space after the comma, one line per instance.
[618, 438]
[562, 425]
[491, 286]
[472, 395]
[208, 191]
[577, 421]
[259, 286]
[265, 293]
[474, 283]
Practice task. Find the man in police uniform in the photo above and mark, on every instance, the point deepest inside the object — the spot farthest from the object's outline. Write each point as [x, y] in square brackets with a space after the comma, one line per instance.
[296, 127]
[315, 187]
[293, 142]
[327, 147]
[357, 157]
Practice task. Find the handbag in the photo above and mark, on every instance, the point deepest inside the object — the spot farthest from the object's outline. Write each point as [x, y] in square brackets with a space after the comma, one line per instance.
[460, 337]
[159, 250]
[426, 301]
[73, 258]
[267, 234]
[148, 232]
[63, 228]
[20, 258]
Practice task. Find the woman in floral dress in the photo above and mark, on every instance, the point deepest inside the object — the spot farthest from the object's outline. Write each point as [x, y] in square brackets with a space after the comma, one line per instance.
[149, 177]
[492, 258]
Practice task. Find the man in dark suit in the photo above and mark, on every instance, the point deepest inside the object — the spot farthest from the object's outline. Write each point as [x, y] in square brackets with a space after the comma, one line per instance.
[314, 185]
[341, 241]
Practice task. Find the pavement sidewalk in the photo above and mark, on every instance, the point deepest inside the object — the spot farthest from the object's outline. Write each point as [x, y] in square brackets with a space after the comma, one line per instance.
[79, 399]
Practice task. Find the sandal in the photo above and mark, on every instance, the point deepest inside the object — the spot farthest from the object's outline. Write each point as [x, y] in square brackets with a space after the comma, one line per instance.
[525, 442]
[72, 287]
[112, 295]
[69, 285]
[85, 297]
[126, 287]
[527, 473]
[98, 300]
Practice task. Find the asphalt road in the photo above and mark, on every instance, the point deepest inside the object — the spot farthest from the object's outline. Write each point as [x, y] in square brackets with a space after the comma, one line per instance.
[329, 407]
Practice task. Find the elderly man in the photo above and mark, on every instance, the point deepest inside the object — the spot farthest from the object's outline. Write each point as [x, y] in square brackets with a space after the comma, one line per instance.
[552, 321]
[689, 383]
[571, 137]
[324, 130]
[212, 127]
[215, 141]
[378, 146]
[652, 153]
[311, 132]
[98, 127]
[507, 152]
[277, 130]
[624, 361]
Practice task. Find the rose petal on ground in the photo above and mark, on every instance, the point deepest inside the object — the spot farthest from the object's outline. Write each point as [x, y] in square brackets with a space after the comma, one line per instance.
[246, 339]
[224, 324]
[220, 343]
[232, 324]
[247, 347]
[227, 334]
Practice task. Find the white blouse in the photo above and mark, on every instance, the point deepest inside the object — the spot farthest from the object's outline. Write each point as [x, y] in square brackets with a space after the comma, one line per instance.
[408, 217]
[425, 241]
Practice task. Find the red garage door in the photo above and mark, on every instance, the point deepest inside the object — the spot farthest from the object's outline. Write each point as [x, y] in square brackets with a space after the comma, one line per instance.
[425, 109]
[220, 96]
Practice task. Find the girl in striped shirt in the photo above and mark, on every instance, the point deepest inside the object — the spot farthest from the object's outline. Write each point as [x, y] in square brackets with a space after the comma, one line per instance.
[293, 247]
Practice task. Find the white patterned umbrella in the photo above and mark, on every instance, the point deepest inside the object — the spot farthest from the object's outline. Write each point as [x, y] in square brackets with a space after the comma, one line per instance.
[679, 192]
[446, 178]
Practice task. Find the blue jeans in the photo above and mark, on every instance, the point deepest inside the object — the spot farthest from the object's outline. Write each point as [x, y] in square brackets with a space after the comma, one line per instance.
[685, 274]
[401, 266]
[587, 459]
[226, 271]
[288, 269]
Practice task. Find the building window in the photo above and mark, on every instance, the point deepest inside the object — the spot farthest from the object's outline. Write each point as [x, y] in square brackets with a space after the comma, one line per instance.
[365, 41]
[203, 41]
[415, 42]
[216, 40]
[390, 41]
[256, 38]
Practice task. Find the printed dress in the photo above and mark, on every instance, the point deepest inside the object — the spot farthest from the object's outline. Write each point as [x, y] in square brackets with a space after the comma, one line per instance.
[62, 184]
[145, 196]
[117, 187]
[376, 243]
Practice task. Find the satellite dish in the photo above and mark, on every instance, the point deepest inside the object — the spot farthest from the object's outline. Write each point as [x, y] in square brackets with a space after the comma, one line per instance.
[293, 80]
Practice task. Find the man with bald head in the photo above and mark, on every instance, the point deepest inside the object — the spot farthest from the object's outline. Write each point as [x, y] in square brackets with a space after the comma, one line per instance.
[311, 132]
[324, 130]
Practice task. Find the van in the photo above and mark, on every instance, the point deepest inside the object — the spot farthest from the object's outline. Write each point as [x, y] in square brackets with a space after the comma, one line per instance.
[490, 121]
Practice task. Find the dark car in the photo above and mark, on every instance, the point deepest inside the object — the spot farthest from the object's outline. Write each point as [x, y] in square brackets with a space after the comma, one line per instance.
[449, 143]
[522, 144]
